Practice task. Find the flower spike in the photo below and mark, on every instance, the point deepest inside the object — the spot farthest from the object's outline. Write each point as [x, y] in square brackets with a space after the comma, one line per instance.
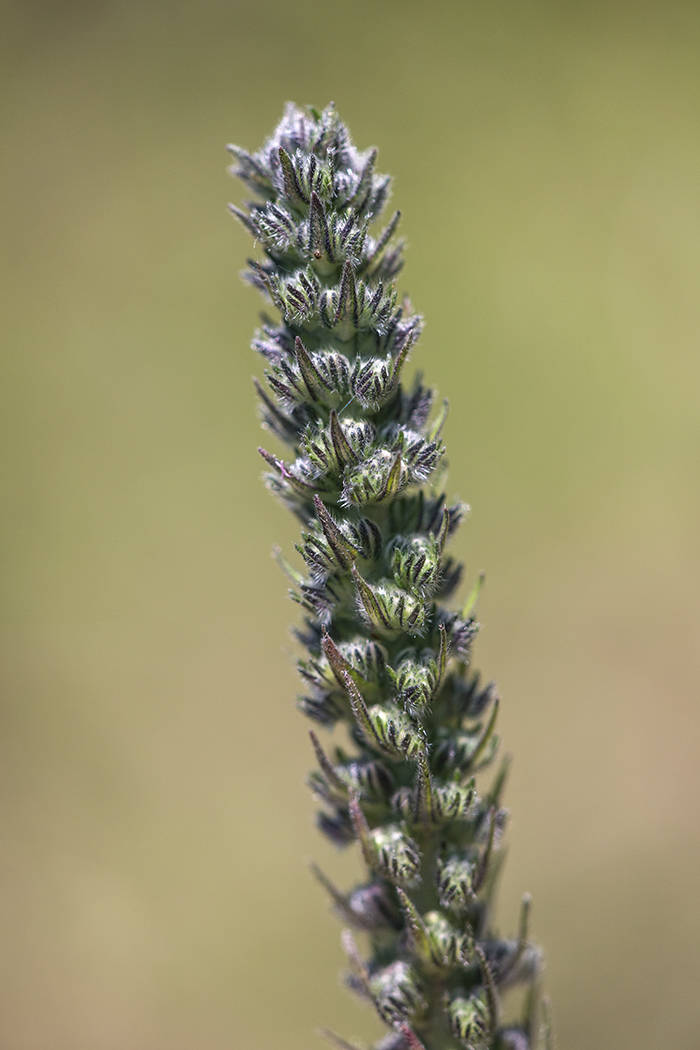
[387, 659]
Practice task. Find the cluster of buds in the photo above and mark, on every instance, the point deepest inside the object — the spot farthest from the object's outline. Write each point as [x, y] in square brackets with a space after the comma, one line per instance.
[386, 657]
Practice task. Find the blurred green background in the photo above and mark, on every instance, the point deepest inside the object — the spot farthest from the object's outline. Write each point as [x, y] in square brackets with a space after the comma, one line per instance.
[153, 894]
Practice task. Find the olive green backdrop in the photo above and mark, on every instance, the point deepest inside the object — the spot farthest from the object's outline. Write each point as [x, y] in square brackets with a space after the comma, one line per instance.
[153, 894]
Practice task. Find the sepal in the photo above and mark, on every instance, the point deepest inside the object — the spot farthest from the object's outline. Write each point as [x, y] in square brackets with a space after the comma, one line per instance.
[324, 599]
[325, 556]
[326, 375]
[330, 239]
[295, 482]
[404, 326]
[275, 227]
[251, 171]
[282, 425]
[376, 247]
[512, 962]
[515, 961]
[451, 573]
[462, 698]
[461, 633]
[494, 821]
[413, 513]
[296, 297]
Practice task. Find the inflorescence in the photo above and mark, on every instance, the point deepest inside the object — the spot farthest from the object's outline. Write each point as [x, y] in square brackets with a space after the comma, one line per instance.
[385, 655]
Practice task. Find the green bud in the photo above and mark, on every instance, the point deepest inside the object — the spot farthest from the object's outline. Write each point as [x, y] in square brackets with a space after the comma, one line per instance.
[397, 993]
[420, 455]
[376, 479]
[455, 879]
[368, 658]
[395, 733]
[338, 445]
[449, 944]
[415, 684]
[470, 1020]
[389, 608]
[446, 804]
[415, 563]
[395, 855]
[375, 381]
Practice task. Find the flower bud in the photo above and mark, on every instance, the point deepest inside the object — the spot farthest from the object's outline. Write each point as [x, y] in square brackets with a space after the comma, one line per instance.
[470, 1020]
[322, 377]
[373, 908]
[448, 945]
[330, 449]
[415, 563]
[420, 455]
[375, 479]
[338, 827]
[394, 854]
[374, 382]
[454, 802]
[326, 554]
[415, 684]
[368, 538]
[370, 779]
[388, 607]
[448, 802]
[397, 993]
[334, 370]
[393, 731]
[366, 657]
[455, 876]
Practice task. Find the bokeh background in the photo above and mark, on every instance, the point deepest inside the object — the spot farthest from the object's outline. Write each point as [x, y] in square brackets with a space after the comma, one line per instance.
[153, 892]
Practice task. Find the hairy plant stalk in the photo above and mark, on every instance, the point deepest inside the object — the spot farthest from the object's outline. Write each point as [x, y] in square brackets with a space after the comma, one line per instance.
[384, 654]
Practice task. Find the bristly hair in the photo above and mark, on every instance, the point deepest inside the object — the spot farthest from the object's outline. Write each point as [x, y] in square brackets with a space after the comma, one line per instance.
[385, 656]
